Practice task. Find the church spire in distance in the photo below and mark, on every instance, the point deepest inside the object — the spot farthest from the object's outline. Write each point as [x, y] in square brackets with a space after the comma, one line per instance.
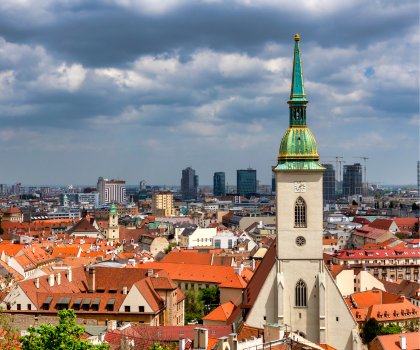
[298, 149]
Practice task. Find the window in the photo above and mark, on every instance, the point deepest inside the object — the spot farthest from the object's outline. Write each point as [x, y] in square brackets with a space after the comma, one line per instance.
[29, 306]
[300, 212]
[127, 308]
[336, 318]
[141, 308]
[229, 244]
[17, 306]
[8, 306]
[300, 293]
[186, 286]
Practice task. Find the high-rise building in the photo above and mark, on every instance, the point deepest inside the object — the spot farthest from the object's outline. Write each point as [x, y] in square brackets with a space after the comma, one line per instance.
[352, 180]
[219, 185]
[3, 188]
[189, 183]
[16, 188]
[328, 182]
[112, 191]
[162, 204]
[246, 182]
[296, 287]
[142, 185]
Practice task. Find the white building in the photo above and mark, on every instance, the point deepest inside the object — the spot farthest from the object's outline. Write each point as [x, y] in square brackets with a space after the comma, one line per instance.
[199, 237]
[225, 240]
[111, 191]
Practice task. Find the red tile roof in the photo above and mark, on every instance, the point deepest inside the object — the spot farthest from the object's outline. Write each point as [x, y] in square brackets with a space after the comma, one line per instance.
[234, 281]
[406, 223]
[188, 258]
[392, 341]
[221, 313]
[377, 253]
[383, 224]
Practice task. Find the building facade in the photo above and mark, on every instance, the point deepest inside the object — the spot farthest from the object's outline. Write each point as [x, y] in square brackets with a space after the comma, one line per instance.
[328, 182]
[246, 182]
[292, 284]
[142, 185]
[111, 191]
[85, 198]
[352, 180]
[189, 183]
[3, 188]
[162, 204]
[219, 184]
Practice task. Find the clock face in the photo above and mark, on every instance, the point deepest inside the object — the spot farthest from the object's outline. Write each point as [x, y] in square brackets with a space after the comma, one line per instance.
[300, 186]
[113, 219]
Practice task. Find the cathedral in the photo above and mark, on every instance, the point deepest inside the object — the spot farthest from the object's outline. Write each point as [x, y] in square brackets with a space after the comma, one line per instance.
[292, 286]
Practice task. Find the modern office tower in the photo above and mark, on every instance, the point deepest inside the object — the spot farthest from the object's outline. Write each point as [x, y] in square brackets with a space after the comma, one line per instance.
[189, 183]
[246, 182]
[3, 188]
[16, 188]
[162, 204]
[142, 185]
[112, 191]
[352, 180]
[219, 186]
[328, 182]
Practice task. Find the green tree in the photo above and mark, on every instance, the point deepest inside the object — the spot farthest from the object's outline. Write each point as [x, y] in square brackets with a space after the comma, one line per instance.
[210, 297]
[411, 326]
[415, 207]
[64, 336]
[1, 229]
[391, 204]
[401, 206]
[193, 306]
[167, 250]
[370, 330]
[391, 329]
[354, 203]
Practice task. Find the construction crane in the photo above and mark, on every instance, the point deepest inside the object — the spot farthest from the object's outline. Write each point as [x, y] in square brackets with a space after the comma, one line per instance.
[365, 158]
[336, 162]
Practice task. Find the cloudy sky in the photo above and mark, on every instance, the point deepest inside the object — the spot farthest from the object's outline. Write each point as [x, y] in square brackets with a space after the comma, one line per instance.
[142, 89]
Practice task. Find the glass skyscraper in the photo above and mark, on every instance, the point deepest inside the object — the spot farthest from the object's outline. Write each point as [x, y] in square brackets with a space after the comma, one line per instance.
[328, 182]
[219, 187]
[352, 180]
[189, 183]
[246, 182]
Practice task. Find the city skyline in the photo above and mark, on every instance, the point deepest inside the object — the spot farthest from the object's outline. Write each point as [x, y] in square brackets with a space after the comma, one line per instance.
[211, 95]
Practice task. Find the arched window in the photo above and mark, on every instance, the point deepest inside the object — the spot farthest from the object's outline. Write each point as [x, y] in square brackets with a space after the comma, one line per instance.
[300, 212]
[300, 293]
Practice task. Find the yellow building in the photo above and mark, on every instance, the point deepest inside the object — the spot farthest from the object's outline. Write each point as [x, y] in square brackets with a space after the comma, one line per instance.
[162, 204]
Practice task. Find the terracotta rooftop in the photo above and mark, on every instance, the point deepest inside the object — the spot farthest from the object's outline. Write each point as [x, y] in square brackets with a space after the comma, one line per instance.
[188, 258]
[221, 313]
[392, 341]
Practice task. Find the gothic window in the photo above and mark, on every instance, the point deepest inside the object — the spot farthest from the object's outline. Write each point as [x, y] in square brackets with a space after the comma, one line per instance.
[300, 212]
[300, 293]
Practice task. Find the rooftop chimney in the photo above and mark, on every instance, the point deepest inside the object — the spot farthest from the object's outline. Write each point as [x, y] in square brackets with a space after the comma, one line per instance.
[70, 275]
[223, 343]
[37, 283]
[91, 280]
[58, 279]
[403, 342]
[233, 341]
[149, 272]
[51, 280]
[112, 325]
[201, 338]
[253, 265]
[181, 344]
[124, 290]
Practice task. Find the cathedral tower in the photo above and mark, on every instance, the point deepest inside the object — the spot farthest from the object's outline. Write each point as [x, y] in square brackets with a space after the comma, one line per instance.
[296, 288]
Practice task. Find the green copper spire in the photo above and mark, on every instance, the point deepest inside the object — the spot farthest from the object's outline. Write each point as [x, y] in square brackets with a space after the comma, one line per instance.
[298, 149]
[298, 101]
[113, 209]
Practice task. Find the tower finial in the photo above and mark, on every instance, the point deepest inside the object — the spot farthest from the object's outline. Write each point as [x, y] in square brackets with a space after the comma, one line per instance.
[296, 37]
